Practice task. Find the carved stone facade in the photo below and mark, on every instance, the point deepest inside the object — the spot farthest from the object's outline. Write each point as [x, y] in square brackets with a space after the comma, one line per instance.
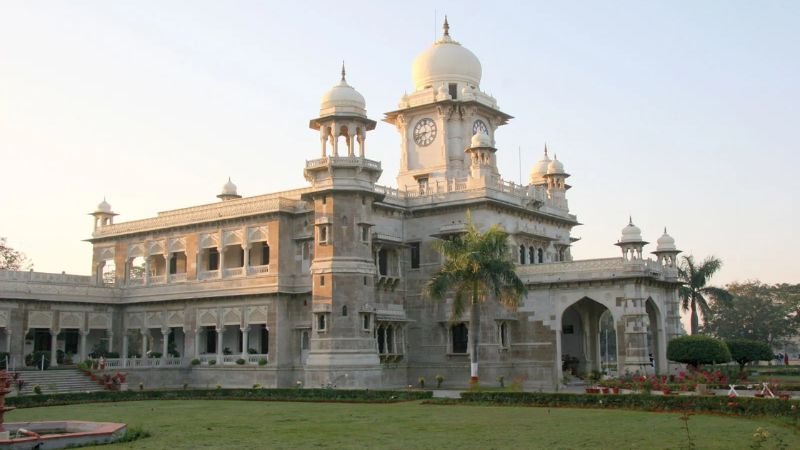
[323, 285]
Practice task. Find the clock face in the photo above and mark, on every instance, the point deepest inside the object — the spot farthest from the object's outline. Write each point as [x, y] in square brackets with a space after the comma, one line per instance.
[425, 132]
[480, 127]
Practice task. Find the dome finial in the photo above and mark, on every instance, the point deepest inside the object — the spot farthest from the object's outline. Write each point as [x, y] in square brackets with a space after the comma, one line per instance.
[665, 230]
[343, 72]
[630, 219]
[545, 150]
[446, 27]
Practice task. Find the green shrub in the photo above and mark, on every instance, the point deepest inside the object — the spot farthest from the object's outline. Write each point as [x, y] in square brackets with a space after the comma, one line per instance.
[35, 359]
[132, 434]
[241, 361]
[739, 406]
[37, 389]
[744, 351]
[195, 362]
[262, 362]
[211, 362]
[696, 350]
[284, 394]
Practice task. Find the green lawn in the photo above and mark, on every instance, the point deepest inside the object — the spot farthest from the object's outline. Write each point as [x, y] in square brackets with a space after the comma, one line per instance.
[196, 424]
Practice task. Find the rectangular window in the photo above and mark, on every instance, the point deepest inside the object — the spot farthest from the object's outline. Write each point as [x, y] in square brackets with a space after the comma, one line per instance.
[173, 264]
[324, 234]
[504, 335]
[213, 259]
[365, 322]
[459, 336]
[423, 185]
[322, 322]
[364, 233]
[453, 87]
[415, 255]
[322, 280]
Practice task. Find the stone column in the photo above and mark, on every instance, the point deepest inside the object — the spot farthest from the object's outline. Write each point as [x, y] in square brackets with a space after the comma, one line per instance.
[124, 354]
[635, 324]
[147, 270]
[220, 335]
[221, 251]
[166, 267]
[8, 340]
[197, 332]
[53, 347]
[245, 337]
[246, 257]
[165, 341]
[110, 340]
[84, 335]
[143, 332]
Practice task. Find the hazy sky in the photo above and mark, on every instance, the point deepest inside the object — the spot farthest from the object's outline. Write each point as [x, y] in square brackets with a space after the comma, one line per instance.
[683, 114]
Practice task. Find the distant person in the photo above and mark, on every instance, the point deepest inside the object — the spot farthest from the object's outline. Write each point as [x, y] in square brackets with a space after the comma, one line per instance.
[652, 360]
[786, 359]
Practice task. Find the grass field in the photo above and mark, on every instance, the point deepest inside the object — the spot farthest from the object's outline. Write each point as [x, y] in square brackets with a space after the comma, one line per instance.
[227, 424]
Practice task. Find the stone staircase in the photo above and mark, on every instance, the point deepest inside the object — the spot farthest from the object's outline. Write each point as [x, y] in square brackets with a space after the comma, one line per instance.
[57, 381]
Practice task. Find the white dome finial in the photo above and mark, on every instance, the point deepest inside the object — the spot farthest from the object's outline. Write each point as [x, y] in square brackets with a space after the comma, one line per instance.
[228, 191]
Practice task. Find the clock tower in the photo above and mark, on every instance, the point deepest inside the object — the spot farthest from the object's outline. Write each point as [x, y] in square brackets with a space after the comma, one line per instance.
[437, 121]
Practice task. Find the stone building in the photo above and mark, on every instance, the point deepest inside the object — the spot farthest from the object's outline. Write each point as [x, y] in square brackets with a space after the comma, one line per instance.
[322, 285]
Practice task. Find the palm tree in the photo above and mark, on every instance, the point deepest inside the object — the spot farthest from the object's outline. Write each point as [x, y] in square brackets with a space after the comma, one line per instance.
[694, 291]
[477, 267]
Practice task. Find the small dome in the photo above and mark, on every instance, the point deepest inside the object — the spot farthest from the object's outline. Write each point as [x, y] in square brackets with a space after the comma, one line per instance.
[480, 140]
[555, 167]
[540, 169]
[665, 243]
[104, 207]
[446, 61]
[631, 233]
[229, 188]
[342, 99]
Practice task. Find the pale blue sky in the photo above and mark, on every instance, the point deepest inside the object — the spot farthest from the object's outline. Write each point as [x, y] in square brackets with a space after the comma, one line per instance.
[681, 113]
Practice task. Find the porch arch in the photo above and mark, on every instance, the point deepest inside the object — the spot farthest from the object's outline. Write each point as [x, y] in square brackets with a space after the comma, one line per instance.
[580, 340]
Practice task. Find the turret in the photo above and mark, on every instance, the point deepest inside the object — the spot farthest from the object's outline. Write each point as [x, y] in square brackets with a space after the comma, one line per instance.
[631, 242]
[666, 251]
[103, 215]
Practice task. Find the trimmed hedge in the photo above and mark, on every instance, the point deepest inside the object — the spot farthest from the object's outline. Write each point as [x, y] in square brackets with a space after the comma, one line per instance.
[744, 351]
[739, 406]
[696, 350]
[303, 395]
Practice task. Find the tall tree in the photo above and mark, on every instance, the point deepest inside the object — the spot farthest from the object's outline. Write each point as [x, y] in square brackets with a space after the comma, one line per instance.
[11, 259]
[758, 312]
[695, 293]
[477, 268]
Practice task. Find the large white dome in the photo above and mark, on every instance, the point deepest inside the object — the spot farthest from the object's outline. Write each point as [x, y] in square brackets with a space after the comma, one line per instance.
[539, 169]
[446, 61]
[631, 233]
[342, 99]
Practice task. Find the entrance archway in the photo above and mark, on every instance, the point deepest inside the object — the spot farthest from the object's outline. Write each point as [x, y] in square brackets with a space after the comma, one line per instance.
[656, 344]
[582, 344]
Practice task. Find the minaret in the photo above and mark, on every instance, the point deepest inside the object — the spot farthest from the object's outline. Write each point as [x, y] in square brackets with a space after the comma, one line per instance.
[631, 242]
[228, 191]
[482, 166]
[343, 350]
[103, 215]
[666, 251]
[556, 183]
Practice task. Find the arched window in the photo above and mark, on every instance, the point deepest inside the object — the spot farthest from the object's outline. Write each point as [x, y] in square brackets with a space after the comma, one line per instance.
[532, 254]
[344, 310]
[522, 254]
[503, 334]
[541, 256]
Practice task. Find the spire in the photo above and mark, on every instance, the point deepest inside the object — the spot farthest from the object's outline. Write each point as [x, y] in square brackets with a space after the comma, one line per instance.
[343, 72]
[665, 230]
[630, 220]
[446, 27]
[545, 150]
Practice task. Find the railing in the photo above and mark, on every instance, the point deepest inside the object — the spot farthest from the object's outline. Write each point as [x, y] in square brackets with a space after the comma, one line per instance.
[43, 277]
[142, 363]
[208, 275]
[350, 161]
[252, 270]
[158, 279]
[233, 272]
[135, 282]
[228, 360]
[177, 277]
[254, 358]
